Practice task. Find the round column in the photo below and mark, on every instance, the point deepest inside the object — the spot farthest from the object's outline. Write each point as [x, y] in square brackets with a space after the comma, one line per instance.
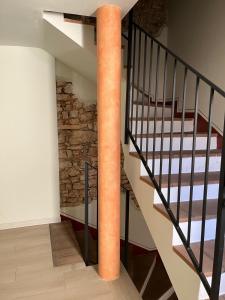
[108, 101]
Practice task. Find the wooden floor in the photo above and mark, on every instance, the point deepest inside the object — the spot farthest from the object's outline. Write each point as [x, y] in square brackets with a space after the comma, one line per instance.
[27, 272]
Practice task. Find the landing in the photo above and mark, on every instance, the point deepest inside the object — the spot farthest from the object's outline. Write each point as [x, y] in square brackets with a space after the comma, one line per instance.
[27, 272]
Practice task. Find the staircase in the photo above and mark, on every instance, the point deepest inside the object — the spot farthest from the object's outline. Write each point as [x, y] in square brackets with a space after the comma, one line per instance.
[147, 140]
[175, 168]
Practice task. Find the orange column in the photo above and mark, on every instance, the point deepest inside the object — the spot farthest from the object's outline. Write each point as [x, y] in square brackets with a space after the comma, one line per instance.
[108, 95]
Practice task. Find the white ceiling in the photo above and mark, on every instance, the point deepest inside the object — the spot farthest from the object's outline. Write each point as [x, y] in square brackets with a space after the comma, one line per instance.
[21, 21]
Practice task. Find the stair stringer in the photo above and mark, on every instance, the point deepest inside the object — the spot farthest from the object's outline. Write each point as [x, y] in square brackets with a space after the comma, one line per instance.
[185, 281]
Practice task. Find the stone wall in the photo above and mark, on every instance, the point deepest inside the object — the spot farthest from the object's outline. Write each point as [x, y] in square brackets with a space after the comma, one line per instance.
[77, 138]
[151, 15]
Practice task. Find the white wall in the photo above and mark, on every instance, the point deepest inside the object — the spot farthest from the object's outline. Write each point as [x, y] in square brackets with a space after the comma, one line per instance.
[163, 39]
[83, 88]
[196, 33]
[29, 184]
[71, 43]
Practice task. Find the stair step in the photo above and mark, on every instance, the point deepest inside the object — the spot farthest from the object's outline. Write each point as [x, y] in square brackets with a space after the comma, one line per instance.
[65, 247]
[144, 125]
[176, 134]
[152, 104]
[208, 256]
[168, 100]
[186, 157]
[160, 119]
[149, 110]
[148, 139]
[211, 210]
[198, 179]
[176, 154]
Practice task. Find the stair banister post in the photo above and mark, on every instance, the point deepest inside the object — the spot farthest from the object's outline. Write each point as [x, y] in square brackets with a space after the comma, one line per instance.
[220, 229]
[129, 58]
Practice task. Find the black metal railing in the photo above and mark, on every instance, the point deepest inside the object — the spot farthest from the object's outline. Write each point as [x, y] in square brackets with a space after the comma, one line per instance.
[125, 255]
[162, 91]
[87, 199]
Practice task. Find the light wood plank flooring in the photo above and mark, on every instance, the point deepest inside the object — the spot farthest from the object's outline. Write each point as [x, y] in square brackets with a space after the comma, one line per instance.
[27, 272]
[65, 248]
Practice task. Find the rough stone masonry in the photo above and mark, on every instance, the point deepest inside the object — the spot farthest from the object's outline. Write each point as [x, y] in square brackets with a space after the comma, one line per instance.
[77, 142]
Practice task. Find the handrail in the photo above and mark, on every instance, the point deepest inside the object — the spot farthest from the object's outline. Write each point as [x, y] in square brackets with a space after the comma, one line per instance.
[144, 52]
[192, 69]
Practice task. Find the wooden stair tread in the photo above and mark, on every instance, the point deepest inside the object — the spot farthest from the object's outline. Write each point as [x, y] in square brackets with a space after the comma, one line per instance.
[176, 154]
[198, 179]
[152, 104]
[146, 95]
[159, 119]
[176, 134]
[208, 255]
[211, 210]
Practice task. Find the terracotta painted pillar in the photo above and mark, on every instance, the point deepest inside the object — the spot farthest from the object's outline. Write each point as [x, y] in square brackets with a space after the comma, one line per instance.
[108, 99]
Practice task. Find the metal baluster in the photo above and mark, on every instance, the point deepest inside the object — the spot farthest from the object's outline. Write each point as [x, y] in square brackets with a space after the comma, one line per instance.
[138, 84]
[205, 192]
[129, 58]
[220, 229]
[126, 240]
[156, 103]
[133, 77]
[86, 231]
[193, 159]
[149, 98]
[181, 144]
[163, 115]
[143, 92]
[212, 290]
[171, 129]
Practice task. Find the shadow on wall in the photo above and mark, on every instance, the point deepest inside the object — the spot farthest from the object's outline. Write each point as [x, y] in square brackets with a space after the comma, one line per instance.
[77, 143]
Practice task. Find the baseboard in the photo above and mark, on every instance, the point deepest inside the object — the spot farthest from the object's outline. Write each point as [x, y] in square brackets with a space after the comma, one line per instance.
[43, 221]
